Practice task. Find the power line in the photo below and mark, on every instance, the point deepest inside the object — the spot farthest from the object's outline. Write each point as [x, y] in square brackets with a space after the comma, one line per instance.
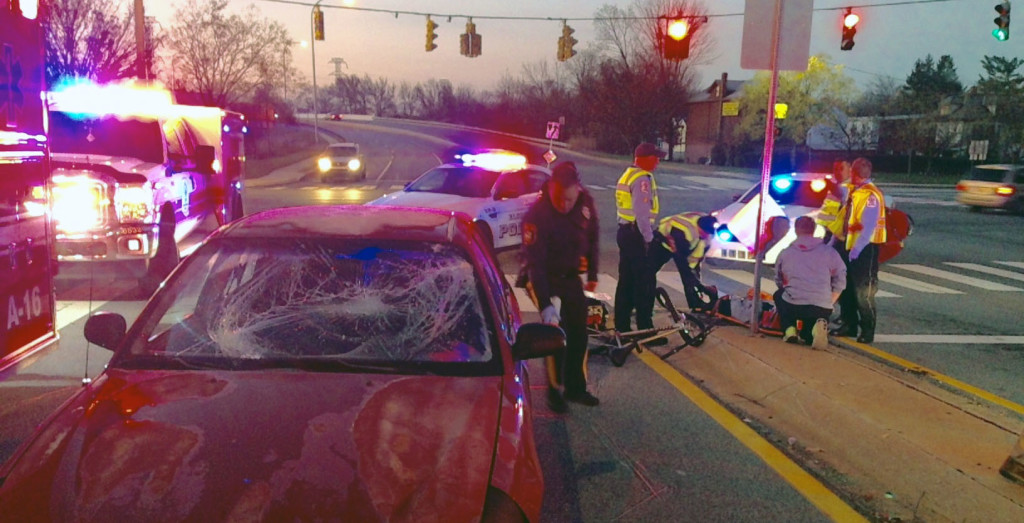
[449, 16]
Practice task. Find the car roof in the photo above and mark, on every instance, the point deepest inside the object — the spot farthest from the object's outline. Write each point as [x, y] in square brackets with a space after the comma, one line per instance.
[529, 166]
[802, 176]
[353, 221]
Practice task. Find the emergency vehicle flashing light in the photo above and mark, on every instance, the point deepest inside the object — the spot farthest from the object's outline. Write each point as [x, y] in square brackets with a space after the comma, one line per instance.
[724, 234]
[782, 183]
[29, 8]
[818, 185]
[121, 99]
[494, 160]
[78, 203]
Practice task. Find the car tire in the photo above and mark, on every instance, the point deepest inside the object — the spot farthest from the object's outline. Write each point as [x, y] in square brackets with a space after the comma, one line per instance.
[235, 207]
[974, 208]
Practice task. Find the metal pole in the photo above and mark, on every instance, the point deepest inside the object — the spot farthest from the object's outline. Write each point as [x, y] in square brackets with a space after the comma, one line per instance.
[766, 167]
[312, 52]
[140, 41]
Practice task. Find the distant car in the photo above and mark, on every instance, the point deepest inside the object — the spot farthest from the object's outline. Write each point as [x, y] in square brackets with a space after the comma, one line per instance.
[335, 116]
[344, 363]
[341, 160]
[996, 186]
[792, 195]
[494, 187]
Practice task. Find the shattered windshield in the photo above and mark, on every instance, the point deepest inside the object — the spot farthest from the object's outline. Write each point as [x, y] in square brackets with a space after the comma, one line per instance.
[460, 181]
[389, 304]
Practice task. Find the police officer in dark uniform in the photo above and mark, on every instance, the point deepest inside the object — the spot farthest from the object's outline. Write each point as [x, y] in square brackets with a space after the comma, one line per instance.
[560, 238]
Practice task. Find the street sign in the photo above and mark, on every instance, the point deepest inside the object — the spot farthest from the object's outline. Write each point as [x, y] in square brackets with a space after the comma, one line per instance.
[553, 128]
[794, 34]
[550, 156]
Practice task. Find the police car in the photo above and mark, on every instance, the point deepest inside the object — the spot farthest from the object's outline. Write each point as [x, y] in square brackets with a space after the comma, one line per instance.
[494, 187]
[790, 195]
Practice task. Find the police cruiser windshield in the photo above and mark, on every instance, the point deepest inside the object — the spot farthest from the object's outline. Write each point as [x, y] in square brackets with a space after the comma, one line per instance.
[460, 181]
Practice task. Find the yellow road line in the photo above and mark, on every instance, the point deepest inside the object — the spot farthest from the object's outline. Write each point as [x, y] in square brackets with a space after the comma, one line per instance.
[806, 484]
[942, 378]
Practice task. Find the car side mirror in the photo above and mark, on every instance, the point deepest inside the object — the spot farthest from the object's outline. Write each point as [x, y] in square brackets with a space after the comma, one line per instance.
[736, 197]
[205, 156]
[538, 340]
[106, 329]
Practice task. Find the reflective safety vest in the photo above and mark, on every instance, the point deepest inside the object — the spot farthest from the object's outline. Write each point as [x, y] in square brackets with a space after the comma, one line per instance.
[858, 202]
[686, 223]
[624, 197]
[833, 212]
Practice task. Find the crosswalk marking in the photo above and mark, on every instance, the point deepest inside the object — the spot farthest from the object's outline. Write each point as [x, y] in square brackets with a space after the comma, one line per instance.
[916, 285]
[768, 285]
[989, 270]
[720, 183]
[952, 276]
[1019, 265]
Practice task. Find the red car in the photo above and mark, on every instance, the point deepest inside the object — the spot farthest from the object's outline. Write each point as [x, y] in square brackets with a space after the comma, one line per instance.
[304, 364]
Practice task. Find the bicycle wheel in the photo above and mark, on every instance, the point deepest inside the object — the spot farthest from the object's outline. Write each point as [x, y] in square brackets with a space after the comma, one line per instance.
[693, 331]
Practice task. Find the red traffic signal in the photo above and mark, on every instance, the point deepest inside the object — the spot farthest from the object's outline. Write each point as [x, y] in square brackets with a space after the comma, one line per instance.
[850, 20]
[676, 40]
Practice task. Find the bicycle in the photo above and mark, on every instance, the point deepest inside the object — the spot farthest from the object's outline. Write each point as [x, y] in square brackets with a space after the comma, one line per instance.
[617, 345]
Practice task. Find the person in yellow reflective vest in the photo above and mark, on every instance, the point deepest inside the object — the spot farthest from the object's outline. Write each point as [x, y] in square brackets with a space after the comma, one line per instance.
[686, 236]
[864, 232]
[637, 207]
[833, 209]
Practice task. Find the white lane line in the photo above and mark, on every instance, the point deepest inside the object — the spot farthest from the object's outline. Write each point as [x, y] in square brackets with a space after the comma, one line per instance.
[989, 270]
[596, 187]
[952, 276]
[395, 187]
[605, 285]
[69, 312]
[925, 201]
[950, 339]
[910, 283]
[612, 187]
[387, 167]
[768, 285]
[1019, 265]
[720, 183]
[688, 187]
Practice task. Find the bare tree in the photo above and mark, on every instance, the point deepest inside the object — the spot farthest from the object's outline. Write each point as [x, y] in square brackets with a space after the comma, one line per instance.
[226, 57]
[91, 39]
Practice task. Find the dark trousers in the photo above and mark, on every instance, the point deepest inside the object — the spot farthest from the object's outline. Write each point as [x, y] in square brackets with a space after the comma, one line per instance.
[569, 368]
[692, 286]
[789, 313]
[857, 301]
[635, 288]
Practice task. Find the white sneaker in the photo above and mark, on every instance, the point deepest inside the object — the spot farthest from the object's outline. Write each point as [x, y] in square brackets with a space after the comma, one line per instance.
[819, 335]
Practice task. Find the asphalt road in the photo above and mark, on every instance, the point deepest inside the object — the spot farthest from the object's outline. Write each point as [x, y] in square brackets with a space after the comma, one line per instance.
[935, 317]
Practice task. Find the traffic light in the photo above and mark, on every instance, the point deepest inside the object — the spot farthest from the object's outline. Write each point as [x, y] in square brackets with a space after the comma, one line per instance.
[1002, 30]
[676, 40]
[850, 20]
[318, 23]
[431, 35]
[565, 43]
[470, 42]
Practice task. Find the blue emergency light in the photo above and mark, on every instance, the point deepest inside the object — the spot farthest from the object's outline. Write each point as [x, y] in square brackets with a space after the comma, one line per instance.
[782, 183]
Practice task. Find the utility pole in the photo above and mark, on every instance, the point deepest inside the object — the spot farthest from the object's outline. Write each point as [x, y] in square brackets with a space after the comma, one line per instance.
[313, 34]
[337, 62]
[140, 41]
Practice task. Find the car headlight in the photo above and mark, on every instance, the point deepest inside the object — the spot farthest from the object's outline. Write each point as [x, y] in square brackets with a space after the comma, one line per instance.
[354, 164]
[134, 203]
[324, 164]
[79, 203]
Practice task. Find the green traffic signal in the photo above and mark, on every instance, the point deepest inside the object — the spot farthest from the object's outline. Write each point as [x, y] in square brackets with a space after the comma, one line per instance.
[1001, 34]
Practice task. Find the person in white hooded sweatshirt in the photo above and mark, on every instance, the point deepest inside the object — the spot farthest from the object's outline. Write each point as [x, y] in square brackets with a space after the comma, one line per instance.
[810, 275]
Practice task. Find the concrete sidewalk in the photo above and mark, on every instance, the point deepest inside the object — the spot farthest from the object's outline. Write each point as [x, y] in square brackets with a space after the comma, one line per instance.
[895, 441]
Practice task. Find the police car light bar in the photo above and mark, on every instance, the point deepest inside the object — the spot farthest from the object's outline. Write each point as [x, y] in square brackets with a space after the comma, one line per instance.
[494, 160]
[782, 183]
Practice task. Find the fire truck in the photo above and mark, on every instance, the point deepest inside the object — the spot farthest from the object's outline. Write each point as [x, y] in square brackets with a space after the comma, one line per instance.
[27, 304]
[134, 173]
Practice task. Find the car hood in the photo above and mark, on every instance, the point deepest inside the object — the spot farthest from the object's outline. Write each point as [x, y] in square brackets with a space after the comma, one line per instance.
[431, 200]
[270, 445]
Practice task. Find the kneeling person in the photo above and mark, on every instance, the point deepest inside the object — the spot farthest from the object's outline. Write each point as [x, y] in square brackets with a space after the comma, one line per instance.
[810, 276]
